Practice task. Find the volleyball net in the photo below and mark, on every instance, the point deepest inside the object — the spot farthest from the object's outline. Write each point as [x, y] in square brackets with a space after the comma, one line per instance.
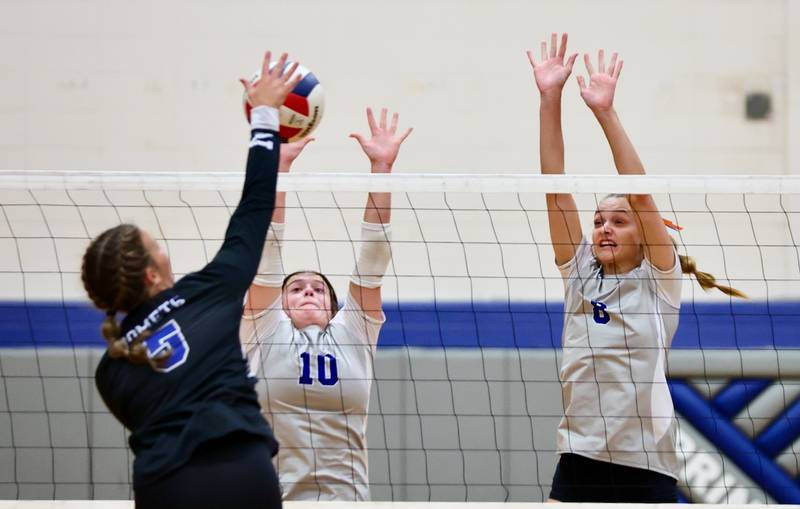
[466, 398]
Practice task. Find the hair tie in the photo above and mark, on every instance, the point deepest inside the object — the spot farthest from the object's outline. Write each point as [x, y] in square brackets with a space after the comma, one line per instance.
[669, 224]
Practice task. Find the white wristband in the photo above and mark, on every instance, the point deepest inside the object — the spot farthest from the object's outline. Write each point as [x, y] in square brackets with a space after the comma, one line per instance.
[264, 117]
[374, 257]
[270, 270]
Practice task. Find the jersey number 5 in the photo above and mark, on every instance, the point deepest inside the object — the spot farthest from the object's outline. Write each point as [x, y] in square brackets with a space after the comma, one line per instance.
[600, 313]
[323, 376]
[168, 338]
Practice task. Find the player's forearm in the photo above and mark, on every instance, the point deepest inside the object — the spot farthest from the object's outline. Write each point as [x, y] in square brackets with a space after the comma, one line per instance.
[378, 209]
[551, 137]
[279, 214]
[247, 228]
[625, 157]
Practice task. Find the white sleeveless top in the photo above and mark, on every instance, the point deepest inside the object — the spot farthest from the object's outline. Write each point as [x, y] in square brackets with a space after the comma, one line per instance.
[314, 388]
[617, 331]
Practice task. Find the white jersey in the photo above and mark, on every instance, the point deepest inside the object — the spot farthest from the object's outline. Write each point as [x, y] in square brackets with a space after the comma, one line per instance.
[617, 331]
[314, 387]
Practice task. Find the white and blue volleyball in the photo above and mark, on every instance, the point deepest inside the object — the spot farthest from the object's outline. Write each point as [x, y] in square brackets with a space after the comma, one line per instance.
[303, 108]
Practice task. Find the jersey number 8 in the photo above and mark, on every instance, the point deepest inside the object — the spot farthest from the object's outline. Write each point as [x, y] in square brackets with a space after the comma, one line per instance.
[600, 313]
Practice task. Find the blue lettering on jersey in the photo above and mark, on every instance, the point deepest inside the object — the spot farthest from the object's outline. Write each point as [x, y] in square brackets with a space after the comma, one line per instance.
[327, 372]
[167, 306]
[305, 376]
[168, 338]
[600, 313]
[325, 378]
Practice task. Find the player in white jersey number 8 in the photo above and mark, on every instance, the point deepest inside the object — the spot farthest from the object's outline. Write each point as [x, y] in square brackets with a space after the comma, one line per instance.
[313, 360]
[616, 440]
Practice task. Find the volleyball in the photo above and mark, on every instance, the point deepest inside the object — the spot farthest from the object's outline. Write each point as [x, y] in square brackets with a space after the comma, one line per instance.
[301, 112]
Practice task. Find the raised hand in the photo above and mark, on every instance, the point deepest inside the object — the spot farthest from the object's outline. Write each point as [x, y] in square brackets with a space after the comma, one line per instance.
[290, 151]
[274, 85]
[599, 94]
[552, 72]
[384, 144]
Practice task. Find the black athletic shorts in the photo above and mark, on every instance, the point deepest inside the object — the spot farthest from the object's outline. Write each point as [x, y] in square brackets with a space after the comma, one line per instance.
[232, 472]
[580, 479]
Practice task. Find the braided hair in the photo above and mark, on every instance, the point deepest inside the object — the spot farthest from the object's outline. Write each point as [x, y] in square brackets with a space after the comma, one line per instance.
[706, 281]
[113, 274]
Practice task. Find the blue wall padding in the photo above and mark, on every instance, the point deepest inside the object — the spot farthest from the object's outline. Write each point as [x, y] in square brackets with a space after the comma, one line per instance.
[452, 324]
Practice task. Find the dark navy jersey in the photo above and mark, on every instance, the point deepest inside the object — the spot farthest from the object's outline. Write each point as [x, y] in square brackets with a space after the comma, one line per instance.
[203, 391]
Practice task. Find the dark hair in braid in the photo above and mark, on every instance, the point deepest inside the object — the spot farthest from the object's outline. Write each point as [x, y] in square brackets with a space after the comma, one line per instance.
[688, 266]
[113, 275]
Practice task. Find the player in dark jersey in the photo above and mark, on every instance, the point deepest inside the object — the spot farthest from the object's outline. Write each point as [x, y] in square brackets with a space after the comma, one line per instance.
[174, 373]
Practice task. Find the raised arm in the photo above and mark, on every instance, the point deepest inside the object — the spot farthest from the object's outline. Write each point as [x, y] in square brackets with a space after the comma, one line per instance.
[236, 262]
[551, 73]
[599, 97]
[381, 149]
[266, 287]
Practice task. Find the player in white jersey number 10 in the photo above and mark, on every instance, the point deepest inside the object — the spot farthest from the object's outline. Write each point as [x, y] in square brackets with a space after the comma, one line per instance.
[622, 291]
[314, 361]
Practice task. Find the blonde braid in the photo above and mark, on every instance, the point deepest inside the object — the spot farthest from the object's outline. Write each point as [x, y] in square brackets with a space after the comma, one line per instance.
[707, 281]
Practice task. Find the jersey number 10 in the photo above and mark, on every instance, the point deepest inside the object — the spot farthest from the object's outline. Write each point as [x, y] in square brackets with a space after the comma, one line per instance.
[324, 377]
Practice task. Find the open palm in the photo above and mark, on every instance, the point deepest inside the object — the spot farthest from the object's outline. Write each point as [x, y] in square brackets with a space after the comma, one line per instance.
[552, 71]
[290, 151]
[384, 144]
[599, 94]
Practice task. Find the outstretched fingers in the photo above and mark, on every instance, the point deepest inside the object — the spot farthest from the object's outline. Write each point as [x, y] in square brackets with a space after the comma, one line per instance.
[530, 58]
[305, 141]
[588, 63]
[292, 77]
[358, 137]
[562, 50]
[405, 133]
[382, 125]
[246, 84]
[581, 83]
[371, 121]
[571, 61]
[277, 69]
[265, 63]
[613, 64]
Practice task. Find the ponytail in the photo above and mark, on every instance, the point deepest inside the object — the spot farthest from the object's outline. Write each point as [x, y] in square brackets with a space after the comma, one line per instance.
[136, 351]
[707, 281]
[117, 347]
